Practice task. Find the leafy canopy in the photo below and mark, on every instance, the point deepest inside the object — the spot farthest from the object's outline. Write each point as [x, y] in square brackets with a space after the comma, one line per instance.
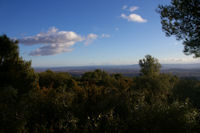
[14, 71]
[182, 19]
[149, 66]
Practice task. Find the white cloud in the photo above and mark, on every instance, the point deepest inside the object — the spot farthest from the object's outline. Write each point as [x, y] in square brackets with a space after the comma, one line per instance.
[90, 38]
[134, 18]
[133, 8]
[105, 36]
[54, 41]
[50, 50]
[53, 36]
[130, 9]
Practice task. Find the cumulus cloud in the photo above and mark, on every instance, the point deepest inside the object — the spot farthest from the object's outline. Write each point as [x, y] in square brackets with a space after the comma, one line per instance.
[53, 36]
[54, 41]
[50, 50]
[133, 18]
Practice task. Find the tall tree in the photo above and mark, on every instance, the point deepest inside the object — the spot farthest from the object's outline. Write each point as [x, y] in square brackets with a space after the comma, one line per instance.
[149, 66]
[182, 19]
[14, 71]
[17, 78]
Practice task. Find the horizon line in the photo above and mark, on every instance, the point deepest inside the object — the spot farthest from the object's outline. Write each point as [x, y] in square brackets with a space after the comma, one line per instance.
[195, 63]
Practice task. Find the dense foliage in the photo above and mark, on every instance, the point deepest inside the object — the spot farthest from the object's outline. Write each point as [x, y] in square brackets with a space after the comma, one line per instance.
[182, 19]
[96, 102]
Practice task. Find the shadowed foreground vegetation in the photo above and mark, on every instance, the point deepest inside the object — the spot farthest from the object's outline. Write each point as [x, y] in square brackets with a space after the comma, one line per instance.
[96, 102]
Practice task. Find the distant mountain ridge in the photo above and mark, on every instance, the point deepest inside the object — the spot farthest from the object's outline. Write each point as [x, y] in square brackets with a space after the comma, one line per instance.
[107, 67]
[180, 70]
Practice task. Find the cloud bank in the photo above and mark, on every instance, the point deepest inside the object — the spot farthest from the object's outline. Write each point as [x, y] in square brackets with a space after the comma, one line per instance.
[54, 41]
[132, 17]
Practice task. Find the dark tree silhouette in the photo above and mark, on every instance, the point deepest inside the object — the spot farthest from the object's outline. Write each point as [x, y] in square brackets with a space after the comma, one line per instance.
[182, 19]
[14, 71]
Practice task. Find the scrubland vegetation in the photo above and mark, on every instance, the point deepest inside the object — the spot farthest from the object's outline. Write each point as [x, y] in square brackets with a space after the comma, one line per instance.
[152, 102]
[96, 102]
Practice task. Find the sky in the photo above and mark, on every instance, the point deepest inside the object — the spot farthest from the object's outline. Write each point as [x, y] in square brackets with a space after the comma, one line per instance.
[55, 33]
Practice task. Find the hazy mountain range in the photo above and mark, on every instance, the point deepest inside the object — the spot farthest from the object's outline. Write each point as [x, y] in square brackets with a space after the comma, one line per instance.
[181, 70]
[105, 67]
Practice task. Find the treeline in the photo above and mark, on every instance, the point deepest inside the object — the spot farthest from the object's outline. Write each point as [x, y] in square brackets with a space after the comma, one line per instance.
[50, 102]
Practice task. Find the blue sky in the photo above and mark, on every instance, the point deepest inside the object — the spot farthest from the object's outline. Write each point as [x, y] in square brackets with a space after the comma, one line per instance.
[89, 32]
